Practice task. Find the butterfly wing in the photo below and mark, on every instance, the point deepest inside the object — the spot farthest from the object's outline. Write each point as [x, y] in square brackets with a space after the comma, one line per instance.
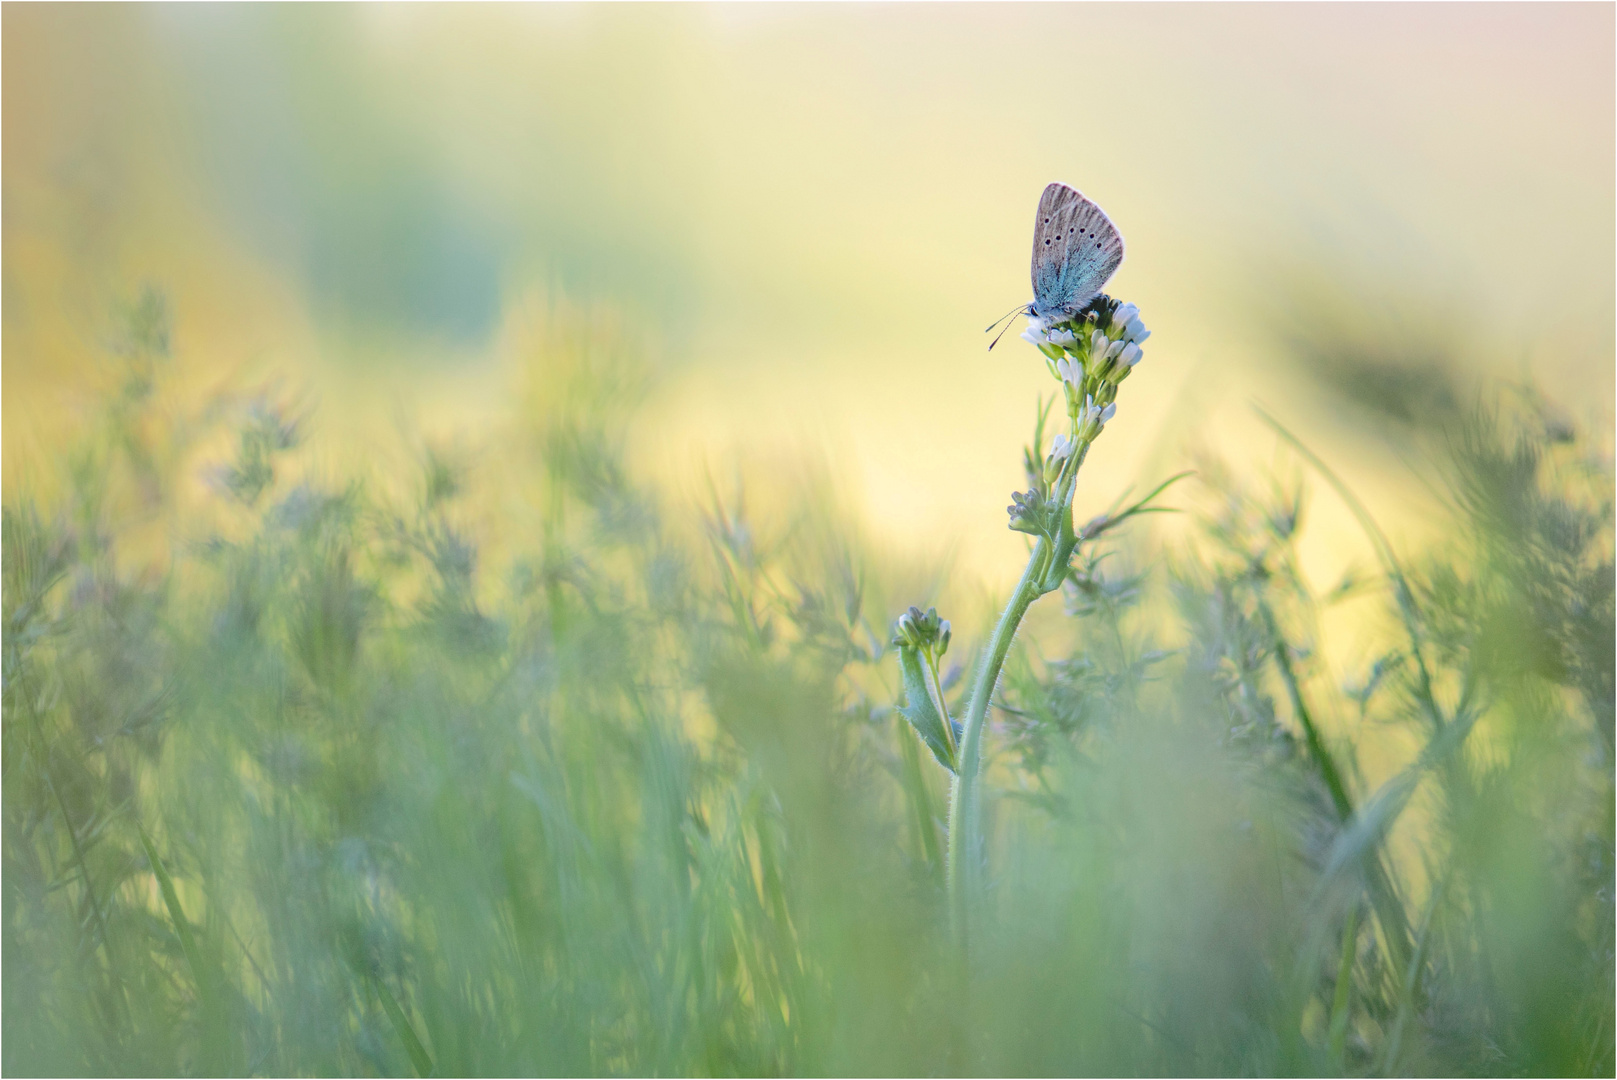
[1076, 250]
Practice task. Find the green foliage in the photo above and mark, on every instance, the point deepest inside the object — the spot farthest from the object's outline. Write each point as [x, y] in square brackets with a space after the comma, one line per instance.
[325, 793]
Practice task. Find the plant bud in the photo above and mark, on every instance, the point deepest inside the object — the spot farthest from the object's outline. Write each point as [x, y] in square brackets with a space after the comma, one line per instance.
[1071, 371]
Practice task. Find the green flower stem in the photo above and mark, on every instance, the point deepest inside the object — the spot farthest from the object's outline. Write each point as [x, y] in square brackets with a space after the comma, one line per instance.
[965, 796]
[942, 703]
[1344, 984]
[1045, 571]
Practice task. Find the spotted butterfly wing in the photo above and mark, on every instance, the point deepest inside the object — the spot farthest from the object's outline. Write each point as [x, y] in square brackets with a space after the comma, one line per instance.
[1076, 250]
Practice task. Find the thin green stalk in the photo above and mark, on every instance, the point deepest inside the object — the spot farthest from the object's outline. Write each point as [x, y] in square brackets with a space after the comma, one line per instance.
[176, 914]
[965, 795]
[1411, 983]
[84, 867]
[926, 829]
[401, 1026]
[1045, 571]
[1344, 985]
[1383, 897]
[115, 997]
[1407, 606]
[936, 686]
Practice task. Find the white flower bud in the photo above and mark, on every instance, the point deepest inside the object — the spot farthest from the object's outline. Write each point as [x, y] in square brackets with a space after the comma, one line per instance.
[1123, 315]
[1033, 336]
[1130, 355]
[1071, 371]
[1091, 418]
[1113, 350]
[1097, 343]
[1136, 331]
[1062, 337]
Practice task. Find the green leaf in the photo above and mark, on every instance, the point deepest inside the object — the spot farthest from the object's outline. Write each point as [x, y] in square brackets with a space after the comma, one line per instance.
[176, 914]
[921, 711]
[401, 1025]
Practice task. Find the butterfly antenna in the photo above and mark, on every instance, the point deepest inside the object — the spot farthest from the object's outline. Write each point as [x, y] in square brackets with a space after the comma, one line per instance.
[1006, 319]
[1001, 334]
[1008, 314]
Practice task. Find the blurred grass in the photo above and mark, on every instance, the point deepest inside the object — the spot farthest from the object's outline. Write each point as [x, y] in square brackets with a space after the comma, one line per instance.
[311, 777]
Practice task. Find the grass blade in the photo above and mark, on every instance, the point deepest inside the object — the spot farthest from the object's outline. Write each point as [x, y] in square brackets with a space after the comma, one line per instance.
[176, 914]
[401, 1024]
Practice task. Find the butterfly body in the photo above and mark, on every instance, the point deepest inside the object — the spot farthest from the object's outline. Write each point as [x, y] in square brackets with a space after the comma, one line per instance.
[1076, 250]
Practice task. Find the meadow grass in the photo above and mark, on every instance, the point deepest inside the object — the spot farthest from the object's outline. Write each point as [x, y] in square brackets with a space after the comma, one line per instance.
[319, 791]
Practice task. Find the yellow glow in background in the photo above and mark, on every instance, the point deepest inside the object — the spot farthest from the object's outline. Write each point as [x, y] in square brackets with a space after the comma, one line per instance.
[810, 212]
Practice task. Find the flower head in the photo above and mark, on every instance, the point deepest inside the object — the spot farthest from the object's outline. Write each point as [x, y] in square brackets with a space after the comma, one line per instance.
[1027, 511]
[917, 631]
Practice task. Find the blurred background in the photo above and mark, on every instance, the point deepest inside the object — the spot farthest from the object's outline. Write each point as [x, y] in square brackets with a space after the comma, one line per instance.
[462, 464]
[812, 213]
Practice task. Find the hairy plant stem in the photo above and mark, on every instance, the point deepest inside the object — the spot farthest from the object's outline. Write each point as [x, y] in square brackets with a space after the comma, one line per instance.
[1045, 571]
[965, 795]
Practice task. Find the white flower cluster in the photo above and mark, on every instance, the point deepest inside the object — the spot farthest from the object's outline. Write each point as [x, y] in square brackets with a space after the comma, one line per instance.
[1117, 347]
[1127, 334]
[1091, 355]
[1039, 332]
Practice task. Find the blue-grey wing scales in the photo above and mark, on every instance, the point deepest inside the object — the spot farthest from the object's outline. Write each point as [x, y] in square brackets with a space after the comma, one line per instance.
[1076, 250]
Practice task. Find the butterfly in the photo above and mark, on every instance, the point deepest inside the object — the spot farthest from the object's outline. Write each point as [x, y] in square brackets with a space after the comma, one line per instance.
[1076, 250]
